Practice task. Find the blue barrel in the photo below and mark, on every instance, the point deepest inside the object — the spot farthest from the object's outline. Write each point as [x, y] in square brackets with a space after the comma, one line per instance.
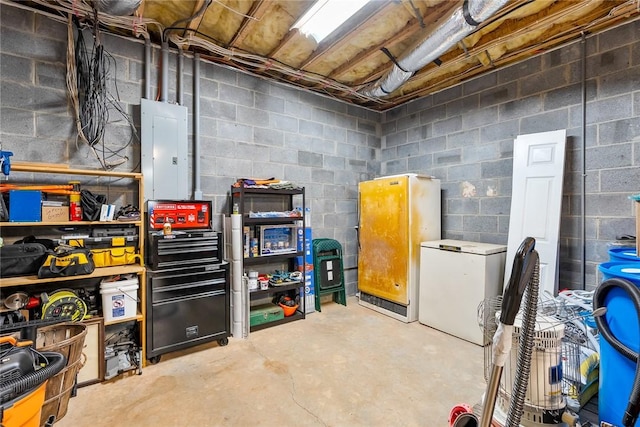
[616, 371]
[623, 254]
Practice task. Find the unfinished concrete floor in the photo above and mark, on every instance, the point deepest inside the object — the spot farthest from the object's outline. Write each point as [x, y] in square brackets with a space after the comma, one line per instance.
[344, 366]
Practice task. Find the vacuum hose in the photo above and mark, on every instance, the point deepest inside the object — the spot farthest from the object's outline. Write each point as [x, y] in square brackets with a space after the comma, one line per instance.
[633, 407]
[18, 386]
[525, 348]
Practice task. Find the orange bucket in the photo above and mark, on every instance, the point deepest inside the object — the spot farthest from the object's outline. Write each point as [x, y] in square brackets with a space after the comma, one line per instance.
[25, 411]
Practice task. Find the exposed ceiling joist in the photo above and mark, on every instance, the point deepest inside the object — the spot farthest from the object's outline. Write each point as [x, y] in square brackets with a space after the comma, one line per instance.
[353, 25]
[258, 9]
[256, 36]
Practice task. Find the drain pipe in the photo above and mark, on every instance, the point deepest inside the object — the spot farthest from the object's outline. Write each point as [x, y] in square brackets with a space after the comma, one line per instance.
[147, 68]
[583, 136]
[460, 24]
[180, 68]
[197, 192]
[165, 71]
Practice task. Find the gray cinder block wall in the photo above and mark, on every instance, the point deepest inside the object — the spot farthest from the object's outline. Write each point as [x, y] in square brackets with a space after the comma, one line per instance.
[464, 135]
[249, 127]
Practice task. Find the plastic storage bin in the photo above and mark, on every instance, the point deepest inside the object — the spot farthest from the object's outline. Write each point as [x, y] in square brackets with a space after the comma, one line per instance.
[24, 206]
[119, 299]
[623, 254]
[623, 270]
[265, 313]
[278, 239]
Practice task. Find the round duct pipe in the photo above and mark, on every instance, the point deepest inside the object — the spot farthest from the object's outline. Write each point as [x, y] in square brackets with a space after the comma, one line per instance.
[457, 26]
[116, 7]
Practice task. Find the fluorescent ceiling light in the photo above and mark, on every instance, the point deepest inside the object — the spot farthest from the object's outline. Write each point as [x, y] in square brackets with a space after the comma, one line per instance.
[327, 15]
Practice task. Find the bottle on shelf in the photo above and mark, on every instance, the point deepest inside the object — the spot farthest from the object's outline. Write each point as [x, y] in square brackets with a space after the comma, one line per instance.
[75, 203]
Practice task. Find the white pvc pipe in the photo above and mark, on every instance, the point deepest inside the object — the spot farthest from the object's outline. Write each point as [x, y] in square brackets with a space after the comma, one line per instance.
[238, 299]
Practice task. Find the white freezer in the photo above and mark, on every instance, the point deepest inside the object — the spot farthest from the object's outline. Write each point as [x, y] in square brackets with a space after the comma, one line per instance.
[455, 277]
[395, 214]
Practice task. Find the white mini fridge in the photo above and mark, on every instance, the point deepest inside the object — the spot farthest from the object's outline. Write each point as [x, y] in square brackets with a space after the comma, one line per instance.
[455, 277]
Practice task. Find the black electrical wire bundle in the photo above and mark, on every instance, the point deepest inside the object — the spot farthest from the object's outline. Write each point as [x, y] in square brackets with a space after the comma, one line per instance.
[92, 89]
[88, 74]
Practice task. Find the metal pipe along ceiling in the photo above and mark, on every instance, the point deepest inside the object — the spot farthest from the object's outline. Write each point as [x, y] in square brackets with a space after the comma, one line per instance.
[147, 68]
[460, 24]
[164, 91]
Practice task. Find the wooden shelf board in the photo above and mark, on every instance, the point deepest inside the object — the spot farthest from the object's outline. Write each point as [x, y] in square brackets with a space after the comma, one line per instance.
[296, 316]
[66, 223]
[276, 289]
[138, 318]
[266, 191]
[98, 272]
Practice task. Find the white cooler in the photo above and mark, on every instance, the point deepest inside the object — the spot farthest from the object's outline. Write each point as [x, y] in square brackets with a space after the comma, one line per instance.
[455, 277]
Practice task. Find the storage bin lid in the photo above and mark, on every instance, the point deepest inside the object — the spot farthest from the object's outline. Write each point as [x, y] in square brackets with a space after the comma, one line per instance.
[622, 270]
[623, 254]
[465, 247]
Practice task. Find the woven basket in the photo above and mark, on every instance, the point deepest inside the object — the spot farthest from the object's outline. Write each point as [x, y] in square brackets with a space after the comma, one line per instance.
[68, 340]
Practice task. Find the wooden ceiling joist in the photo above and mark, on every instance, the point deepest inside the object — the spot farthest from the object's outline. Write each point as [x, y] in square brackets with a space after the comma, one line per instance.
[257, 11]
[562, 34]
[412, 26]
[291, 34]
[256, 36]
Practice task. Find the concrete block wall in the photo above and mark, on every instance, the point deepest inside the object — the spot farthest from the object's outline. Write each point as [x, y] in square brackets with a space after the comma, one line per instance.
[464, 136]
[249, 127]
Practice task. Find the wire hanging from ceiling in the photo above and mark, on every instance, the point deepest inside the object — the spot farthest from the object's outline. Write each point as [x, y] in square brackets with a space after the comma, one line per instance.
[240, 59]
[87, 76]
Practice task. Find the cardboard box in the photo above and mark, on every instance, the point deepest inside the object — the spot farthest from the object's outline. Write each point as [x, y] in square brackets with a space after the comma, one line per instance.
[55, 213]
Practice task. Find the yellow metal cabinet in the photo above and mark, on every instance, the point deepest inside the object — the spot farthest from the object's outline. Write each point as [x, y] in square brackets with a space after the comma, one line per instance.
[396, 213]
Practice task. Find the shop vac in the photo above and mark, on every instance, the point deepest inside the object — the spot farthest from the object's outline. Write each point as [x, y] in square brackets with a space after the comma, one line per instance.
[619, 388]
[536, 338]
[24, 373]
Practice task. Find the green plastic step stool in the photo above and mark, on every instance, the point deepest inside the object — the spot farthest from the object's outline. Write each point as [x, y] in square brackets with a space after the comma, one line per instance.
[328, 271]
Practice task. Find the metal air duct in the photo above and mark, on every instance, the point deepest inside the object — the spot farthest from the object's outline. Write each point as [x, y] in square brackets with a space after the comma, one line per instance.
[117, 7]
[460, 24]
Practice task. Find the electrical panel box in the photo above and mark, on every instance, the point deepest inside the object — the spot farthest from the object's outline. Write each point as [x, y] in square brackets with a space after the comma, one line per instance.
[164, 150]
